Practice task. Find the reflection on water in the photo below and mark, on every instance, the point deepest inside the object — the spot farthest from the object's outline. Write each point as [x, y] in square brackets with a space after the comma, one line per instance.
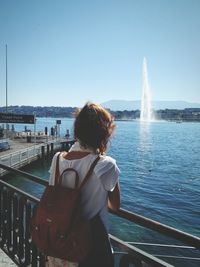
[145, 147]
[144, 135]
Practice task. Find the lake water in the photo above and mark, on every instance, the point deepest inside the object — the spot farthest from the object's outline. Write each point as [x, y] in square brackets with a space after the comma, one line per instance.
[160, 175]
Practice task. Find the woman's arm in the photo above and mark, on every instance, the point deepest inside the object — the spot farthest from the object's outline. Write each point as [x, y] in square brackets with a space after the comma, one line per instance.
[114, 198]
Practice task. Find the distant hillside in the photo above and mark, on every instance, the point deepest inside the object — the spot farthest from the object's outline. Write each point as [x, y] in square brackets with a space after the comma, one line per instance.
[187, 114]
[67, 112]
[157, 105]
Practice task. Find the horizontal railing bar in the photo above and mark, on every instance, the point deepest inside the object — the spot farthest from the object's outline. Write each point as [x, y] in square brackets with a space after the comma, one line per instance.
[115, 252]
[160, 245]
[160, 255]
[177, 257]
[17, 190]
[25, 174]
[159, 227]
[148, 258]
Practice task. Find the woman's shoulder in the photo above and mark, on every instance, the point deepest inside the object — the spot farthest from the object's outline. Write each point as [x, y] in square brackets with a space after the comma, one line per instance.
[108, 172]
[106, 164]
[104, 159]
[56, 155]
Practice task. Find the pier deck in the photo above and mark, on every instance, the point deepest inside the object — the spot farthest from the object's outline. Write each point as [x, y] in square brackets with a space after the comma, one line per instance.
[16, 146]
[5, 261]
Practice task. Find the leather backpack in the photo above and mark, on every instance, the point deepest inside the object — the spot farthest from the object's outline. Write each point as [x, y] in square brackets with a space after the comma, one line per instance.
[57, 227]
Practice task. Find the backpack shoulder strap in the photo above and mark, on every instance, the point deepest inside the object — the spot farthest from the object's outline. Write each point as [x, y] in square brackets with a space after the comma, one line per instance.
[57, 173]
[89, 173]
[76, 177]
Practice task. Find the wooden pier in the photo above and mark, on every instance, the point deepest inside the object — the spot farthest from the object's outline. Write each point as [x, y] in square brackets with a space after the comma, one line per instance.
[22, 153]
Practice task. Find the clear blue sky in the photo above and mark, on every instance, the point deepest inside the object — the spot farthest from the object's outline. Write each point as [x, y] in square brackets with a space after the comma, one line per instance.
[66, 52]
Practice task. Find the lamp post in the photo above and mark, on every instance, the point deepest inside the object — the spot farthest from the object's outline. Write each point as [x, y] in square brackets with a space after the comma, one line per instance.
[6, 90]
[6, 82]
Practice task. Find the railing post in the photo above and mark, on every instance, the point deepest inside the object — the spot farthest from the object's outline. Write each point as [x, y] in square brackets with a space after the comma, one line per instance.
[20, 158]
[47, 150]
[52, 148]
[27, 154]
[10, 160]
[42, 150]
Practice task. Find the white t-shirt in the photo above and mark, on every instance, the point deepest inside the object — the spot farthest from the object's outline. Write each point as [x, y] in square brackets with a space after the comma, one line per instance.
[94, 196]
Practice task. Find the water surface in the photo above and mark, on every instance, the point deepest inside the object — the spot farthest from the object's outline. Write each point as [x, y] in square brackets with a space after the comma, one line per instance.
[160, 175]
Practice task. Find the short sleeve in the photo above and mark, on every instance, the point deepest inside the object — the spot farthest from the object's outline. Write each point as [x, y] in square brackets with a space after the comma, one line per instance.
[108, 172]
[53, 169]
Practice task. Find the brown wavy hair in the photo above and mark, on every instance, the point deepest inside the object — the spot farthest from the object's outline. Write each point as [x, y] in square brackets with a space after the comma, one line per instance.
[93, 127]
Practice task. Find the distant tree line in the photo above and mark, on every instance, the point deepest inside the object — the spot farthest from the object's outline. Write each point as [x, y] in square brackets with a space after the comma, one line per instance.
[188, 114]
[39, 111]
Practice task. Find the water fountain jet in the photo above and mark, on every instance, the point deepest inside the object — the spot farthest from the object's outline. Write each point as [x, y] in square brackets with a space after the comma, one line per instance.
[146, 105]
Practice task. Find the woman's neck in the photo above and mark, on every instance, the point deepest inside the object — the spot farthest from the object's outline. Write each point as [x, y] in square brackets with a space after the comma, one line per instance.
[77, 147]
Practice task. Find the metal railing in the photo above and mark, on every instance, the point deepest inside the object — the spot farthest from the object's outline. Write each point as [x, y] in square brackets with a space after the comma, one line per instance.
[16, 209]
[24, 156]
[159, 227]
[19, 157]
